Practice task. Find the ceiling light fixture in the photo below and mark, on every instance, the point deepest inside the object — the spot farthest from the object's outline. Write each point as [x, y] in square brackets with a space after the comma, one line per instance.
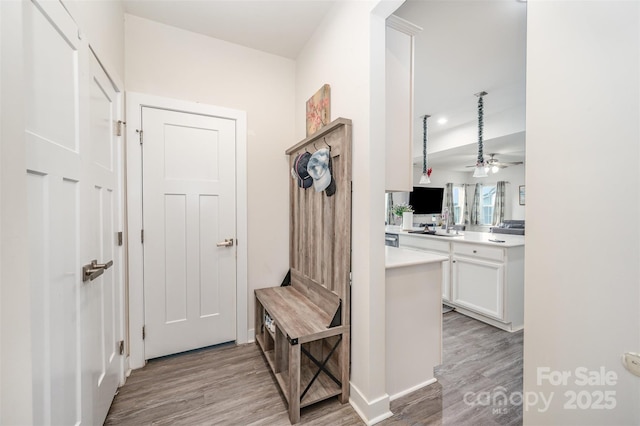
[426, 172]
[442, 120]
[481, 167]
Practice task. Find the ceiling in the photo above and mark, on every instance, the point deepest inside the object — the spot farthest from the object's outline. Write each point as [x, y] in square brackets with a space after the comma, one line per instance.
[281, 27]
[508, 148]
[466, 46]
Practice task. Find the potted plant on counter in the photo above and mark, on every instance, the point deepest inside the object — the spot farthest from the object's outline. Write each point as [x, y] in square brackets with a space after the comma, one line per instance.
[405, 211]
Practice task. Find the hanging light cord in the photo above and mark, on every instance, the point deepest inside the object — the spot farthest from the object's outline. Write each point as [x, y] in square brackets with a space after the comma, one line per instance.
[480, 127]
[424, 144]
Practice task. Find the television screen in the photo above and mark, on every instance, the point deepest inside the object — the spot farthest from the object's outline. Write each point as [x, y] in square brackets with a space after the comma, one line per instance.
[426, 200]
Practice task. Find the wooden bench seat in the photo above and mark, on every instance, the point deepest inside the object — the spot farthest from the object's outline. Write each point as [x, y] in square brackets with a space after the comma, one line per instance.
[297, 316]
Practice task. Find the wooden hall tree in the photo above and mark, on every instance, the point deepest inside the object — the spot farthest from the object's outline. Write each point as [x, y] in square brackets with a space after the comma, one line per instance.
[308, 345]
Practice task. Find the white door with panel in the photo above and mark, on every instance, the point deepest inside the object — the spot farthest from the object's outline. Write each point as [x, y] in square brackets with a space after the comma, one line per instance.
[103, 217]
[74, 327]
[189, 230]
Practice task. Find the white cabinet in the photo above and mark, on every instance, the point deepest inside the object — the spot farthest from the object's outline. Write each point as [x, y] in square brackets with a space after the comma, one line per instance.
[479, 285]
[399, 103]
[483, 281]
[488, 283]
[432, 246]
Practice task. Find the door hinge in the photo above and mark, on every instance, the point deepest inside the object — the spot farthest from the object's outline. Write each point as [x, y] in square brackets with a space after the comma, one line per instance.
[119, 238]
[121, 347]
[139, 132]
[144, 334]
[119, 124]
[142, 236]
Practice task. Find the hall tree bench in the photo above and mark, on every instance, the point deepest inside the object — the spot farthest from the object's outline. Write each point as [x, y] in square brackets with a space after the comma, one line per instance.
[303, 326]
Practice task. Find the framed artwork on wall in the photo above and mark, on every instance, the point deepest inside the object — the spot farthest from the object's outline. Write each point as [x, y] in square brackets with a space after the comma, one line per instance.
[319, 109]
[521, 194]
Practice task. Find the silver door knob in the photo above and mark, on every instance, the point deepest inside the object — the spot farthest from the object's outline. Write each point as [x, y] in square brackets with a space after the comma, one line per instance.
[228, 242]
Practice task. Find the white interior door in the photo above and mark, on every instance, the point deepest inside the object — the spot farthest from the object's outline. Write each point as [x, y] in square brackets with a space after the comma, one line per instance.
[188, 209]
[73, 208]
[102, 215]
[54, 168]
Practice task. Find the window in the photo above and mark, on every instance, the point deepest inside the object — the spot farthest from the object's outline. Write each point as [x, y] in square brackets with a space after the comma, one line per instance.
[458, 204]
[486, 204]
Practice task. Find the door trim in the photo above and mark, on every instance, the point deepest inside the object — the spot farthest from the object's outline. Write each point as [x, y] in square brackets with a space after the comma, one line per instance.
[134, 103]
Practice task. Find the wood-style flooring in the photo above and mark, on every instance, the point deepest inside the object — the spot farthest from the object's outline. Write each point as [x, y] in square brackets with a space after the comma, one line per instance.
[233, 385]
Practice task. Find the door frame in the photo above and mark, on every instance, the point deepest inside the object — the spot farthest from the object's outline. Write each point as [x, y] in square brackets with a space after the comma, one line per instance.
[134, 103]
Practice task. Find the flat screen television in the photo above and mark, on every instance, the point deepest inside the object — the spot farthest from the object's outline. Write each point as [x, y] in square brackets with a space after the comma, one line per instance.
[426, 200]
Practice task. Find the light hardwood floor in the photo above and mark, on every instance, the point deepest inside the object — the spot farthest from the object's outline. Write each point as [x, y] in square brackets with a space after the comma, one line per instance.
[233, 385]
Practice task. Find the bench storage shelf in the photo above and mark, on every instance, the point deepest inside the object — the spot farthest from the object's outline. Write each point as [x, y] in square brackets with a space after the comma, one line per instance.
[303, 328]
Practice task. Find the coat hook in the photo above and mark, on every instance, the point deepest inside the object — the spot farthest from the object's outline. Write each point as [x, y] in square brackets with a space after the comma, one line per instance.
[325, 141]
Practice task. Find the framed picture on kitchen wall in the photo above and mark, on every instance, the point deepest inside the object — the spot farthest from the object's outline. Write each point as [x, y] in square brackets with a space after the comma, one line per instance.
[319, 110]
[521, 194]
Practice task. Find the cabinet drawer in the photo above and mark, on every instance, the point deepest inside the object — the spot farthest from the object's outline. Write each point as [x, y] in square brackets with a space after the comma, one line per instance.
[477, 250]
[424, 243]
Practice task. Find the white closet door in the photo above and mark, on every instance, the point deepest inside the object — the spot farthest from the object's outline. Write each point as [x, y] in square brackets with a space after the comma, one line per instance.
[189, 207]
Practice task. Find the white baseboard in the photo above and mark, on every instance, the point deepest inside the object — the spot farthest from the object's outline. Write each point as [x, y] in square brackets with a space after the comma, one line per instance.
[412, 389]
[370, 412]
[498, 324]
[251, 335]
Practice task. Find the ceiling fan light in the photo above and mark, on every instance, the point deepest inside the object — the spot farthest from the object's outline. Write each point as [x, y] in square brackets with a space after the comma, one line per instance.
[495, 169]
[480, 171]
[424, 179]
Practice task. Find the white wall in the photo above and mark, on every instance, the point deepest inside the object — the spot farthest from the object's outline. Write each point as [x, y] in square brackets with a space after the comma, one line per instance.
[166, 61]
[340, 53]
[102, 22]
[582, 283]
[439, 178]
[15, 297]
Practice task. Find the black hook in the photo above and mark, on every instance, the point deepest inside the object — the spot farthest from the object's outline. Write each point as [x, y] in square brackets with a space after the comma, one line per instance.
[325, 142]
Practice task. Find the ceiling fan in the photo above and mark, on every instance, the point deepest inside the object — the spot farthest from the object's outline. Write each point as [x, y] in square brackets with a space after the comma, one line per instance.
[494, 164]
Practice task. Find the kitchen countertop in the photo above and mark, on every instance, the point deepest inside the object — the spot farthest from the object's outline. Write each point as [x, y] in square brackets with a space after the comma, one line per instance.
[396, 257]
[505, 240]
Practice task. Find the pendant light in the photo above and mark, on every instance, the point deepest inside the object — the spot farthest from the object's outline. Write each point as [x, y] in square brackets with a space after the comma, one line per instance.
[481, 167]
[426, 172]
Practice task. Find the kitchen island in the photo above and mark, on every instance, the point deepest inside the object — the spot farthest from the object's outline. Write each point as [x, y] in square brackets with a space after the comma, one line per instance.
[413, 319]
[483, 276]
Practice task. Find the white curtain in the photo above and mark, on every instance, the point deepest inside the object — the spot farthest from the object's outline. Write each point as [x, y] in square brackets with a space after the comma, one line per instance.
[390, 218]
[500, 202]
[476, 206]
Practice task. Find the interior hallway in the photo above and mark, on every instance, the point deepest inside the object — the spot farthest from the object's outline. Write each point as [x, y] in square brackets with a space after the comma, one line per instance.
[233, 385]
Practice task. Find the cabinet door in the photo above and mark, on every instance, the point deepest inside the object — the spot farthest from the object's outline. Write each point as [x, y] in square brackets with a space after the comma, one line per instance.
[478, 285]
